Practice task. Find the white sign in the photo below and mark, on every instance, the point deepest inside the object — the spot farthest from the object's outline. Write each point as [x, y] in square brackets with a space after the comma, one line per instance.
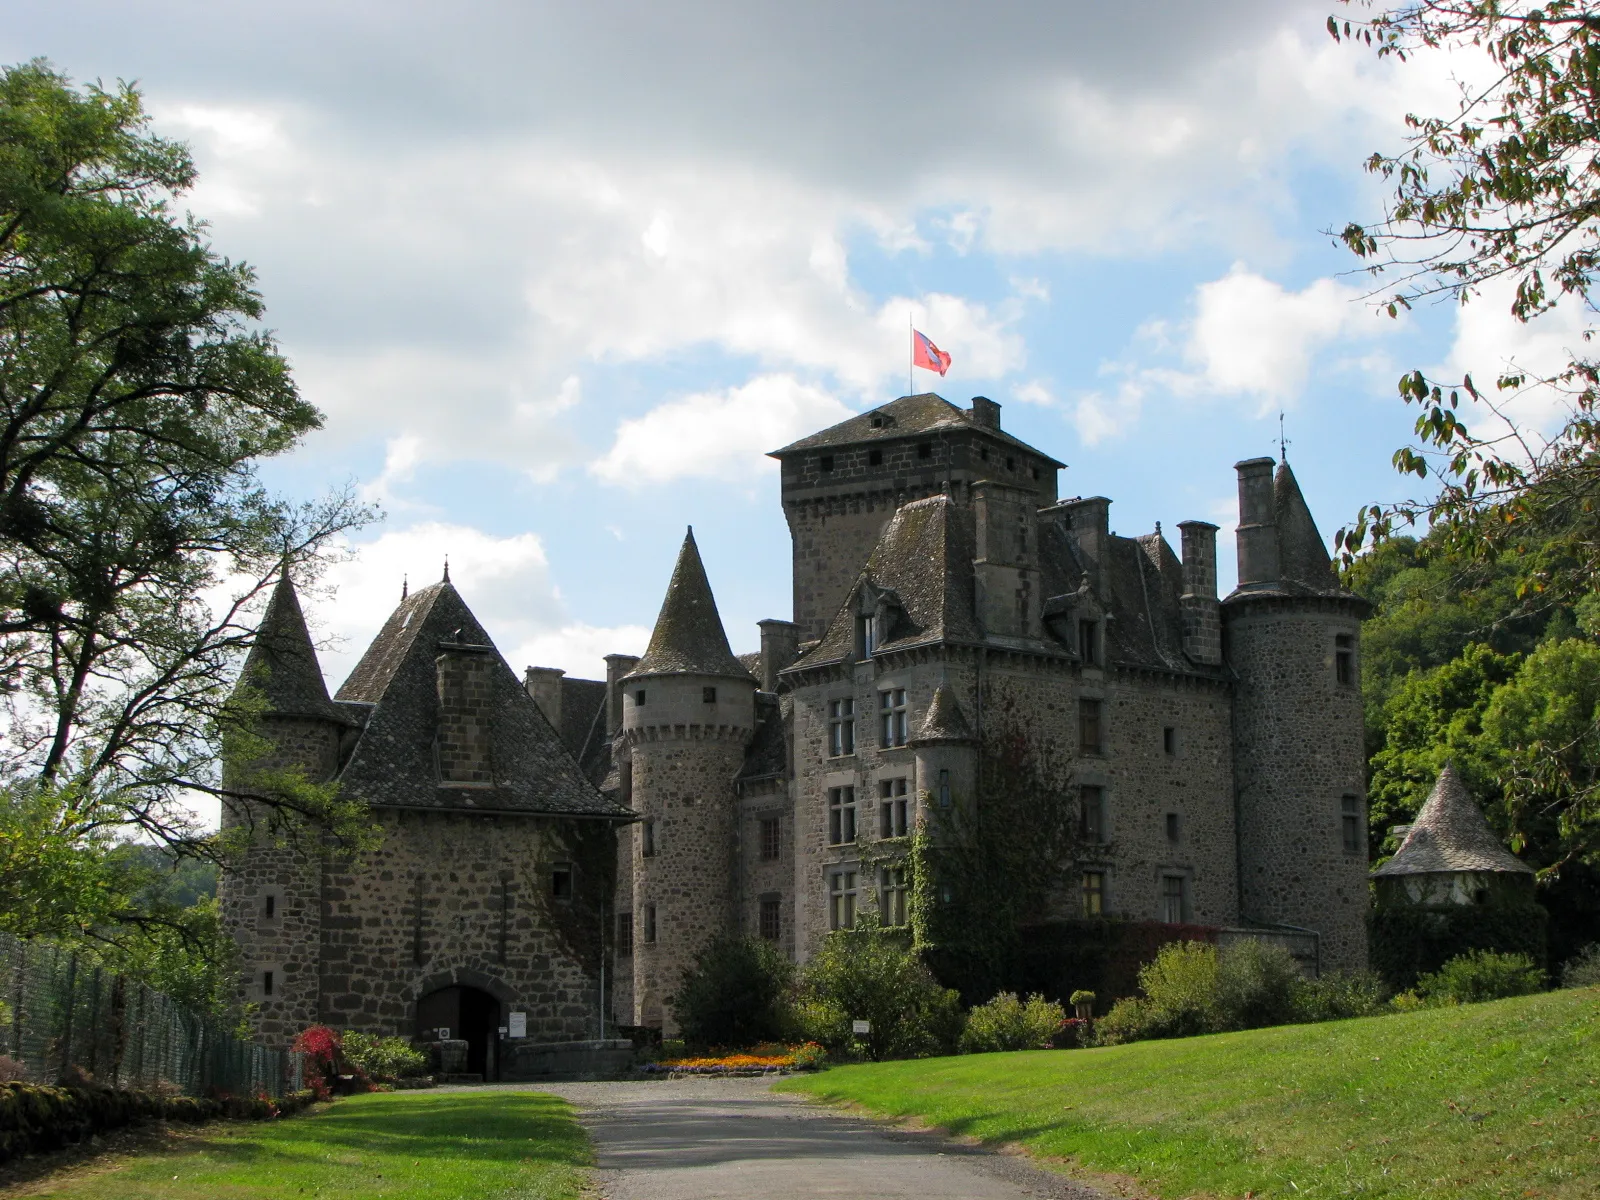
[444, 1033]
[860, 1026]
[519, 1025]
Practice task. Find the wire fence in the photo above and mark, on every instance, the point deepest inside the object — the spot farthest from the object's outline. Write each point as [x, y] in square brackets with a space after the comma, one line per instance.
[64, 1015]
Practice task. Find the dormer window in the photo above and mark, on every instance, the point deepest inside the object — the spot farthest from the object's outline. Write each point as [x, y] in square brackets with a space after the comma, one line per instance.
[866, 639]
[879, 420]
[1089, 642]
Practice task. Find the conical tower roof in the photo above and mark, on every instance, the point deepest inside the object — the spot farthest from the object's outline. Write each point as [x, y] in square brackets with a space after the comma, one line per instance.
[1450, 835]
[688, 638]
[945, 722]
[1302, 558]
[283, 663]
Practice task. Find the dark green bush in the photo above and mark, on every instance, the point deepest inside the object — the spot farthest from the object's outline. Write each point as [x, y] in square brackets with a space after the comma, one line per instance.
[862, 974]
[1583, 968]
[738, 993]
[1258, 984]
[1481, 975]
[1341, 996]
[1410, 940]
[1180, 998]
[385, 1058]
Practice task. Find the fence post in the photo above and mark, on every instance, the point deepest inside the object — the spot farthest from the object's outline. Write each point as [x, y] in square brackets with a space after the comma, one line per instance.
[72, 1000]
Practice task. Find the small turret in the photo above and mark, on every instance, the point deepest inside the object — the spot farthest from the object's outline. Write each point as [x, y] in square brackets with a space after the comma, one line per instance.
[946, 752]
[1292, 637]
[688, 711]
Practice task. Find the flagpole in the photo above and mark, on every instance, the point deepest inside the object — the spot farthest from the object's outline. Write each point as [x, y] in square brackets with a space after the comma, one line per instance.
[911, 349]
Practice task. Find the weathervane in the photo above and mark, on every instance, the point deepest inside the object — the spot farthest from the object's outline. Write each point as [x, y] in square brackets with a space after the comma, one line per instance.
[1283, 442]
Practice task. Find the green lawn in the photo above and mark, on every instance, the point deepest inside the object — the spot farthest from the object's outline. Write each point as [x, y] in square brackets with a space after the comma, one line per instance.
[1498, 1099]
[398, 1145]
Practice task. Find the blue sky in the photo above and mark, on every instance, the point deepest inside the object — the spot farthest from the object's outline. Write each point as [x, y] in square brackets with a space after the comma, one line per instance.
[559, 274]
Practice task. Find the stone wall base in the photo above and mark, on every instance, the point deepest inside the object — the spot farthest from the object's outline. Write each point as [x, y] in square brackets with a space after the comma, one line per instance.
[521, 1061]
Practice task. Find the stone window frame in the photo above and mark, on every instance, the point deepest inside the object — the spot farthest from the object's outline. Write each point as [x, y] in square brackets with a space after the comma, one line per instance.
[842, 814]
[1345, 674]
[1184, 894]
[843, 891]
[1174, 827]
[1097, 782]
[841, 714]
[1090, 642]
[651, 929]
[769, 904]
[648, 846]
[769, 838]
[1097, 747]
[1352, 824]
[893, 895]
[894, 806]
[894, 716]
[1169, 741]
[562, 893]
[1100, 904]
[260, 990]
[269, 906]
[624, 936]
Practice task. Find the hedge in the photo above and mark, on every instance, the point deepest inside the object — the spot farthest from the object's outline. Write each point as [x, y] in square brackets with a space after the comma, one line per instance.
[1408, 940]
[35, 1118]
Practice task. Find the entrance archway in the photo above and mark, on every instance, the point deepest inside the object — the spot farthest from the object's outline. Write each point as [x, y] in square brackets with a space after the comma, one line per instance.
[470, 1014]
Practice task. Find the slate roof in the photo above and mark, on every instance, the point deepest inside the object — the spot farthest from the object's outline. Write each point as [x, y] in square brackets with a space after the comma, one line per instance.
[924, 561]
[1449, 835]
[1304, 568]
[688, 638]
[909, 416]
[583, 727]
[767, 756]
[283, 663]
[922, 567]
[944, 722]
[392, 764]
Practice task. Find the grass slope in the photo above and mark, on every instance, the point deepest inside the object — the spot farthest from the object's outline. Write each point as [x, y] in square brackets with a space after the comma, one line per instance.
[1485, 1100]
[396, 1145]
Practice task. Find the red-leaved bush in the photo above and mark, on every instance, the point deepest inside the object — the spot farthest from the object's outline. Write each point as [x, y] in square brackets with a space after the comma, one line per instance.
[320, 1045]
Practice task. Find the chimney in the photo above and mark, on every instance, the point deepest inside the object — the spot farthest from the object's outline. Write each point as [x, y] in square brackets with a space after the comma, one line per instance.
[544, 685]
[1006, 568]
[985, 413]
[780, 646]
[1258, 532]
[464, 675]
[1202, 614]
[617, 665]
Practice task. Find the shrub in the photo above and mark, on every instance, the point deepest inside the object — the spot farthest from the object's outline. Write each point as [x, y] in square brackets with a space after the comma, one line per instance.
[861, 974]
[1340, 996]
[1583, 968]
[1257, 984]
[1131, 1019]
[1181, 985]
[383, 1058]
[1410, 940]
[1481, 975]
[737, 993]
[1007, 1023]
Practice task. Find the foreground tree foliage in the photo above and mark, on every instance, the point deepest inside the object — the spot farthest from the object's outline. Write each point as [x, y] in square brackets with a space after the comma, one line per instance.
[1504, 189]
[137, 394]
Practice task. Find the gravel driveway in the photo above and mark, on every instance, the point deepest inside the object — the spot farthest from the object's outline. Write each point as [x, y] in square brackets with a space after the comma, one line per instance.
[706, 1139]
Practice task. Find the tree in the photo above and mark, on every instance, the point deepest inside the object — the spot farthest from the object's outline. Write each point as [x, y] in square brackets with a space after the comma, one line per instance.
[736, 994]
[137, 394]
[1505, 187]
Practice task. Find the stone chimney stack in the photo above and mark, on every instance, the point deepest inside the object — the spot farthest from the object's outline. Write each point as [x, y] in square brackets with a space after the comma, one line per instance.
[1087, 521]
[780, 646]
[617, 665]
[544, 686]
[1258, 532]
[464, 674]
[985, 413]
[1202, 612]
[1007, 565]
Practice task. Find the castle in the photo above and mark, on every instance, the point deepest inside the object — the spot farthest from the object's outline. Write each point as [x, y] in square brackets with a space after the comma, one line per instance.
[942, 591]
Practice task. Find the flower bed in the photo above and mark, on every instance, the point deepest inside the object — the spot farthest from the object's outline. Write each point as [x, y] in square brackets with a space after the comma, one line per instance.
[762, 1060]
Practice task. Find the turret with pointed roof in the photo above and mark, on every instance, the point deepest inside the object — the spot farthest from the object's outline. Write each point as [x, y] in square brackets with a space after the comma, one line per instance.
[688, 638]
[282, 665]
[1450, 855]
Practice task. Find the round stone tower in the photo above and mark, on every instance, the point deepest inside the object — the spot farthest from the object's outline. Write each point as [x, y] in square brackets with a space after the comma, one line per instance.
[688, 712]
[1292, 636]
[271, 894]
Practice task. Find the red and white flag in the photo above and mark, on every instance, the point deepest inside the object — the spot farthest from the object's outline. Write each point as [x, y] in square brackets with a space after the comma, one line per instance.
[926, 355]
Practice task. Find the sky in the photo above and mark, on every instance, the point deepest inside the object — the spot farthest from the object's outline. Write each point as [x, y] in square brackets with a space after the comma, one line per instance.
[560, 274]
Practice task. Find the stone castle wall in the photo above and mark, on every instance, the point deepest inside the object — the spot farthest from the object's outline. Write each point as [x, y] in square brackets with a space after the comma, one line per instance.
[451, 897]
[1298, 738]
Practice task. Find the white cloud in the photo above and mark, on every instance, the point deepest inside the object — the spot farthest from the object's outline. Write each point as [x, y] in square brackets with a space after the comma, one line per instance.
[723, 434]
[504, 580]
[1097, 416]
